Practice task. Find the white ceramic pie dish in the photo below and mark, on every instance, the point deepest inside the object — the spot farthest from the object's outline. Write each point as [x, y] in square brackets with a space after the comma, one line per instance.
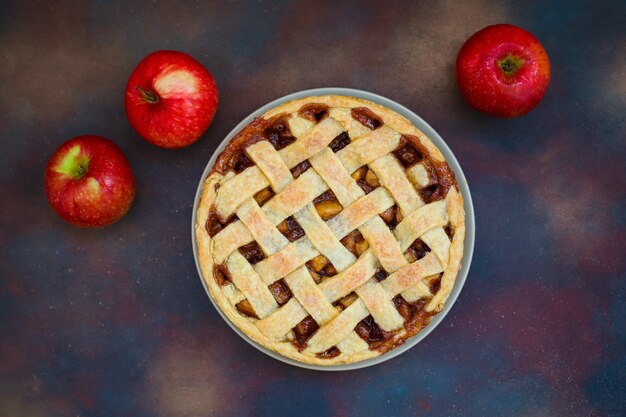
[462, 185]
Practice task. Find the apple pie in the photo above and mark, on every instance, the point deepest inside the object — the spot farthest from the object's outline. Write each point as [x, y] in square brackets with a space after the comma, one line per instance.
[330, 230]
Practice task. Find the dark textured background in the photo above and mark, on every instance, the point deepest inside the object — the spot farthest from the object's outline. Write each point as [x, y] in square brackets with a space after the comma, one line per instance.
[115, 322]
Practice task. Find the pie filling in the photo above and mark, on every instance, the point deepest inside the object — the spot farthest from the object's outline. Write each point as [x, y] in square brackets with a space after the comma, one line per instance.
[409, 152]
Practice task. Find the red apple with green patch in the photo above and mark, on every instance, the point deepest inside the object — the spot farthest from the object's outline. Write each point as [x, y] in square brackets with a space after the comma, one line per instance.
[503, 70]
[89, 182]
[170, 99]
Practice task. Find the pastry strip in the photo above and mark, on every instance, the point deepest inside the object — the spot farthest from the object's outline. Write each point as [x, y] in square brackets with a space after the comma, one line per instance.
[323, 238]
[261, 228]
[352, 344]
[352, 278]
[418, 175]
[338, 328]
[380, 305]
[297, 195]
[412, 274]
[419, 222]
[281, 321]
[360, 211]
[344, 116]
[271, 164]
[311, 143]
[285, 261]
[238, 189]
[383, 244]
[332, 171]
[229, 239]
[439, 243]
[250, 284]
[416, 292]
[299, 126]
[371, 146]
[391, 175]
[309, 295]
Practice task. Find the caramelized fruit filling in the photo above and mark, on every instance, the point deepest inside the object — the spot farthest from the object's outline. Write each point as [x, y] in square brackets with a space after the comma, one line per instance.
[367, 117]
[355, 243]
[330, 353]
[291, 229]
[408, 155]
[320, 268]
[303, 331]
[434, 285]
[359, 174]
[280, 291]
[318, 263]
[340, 142]
[222, 275]
[414, 315]
[366, 179]
[278, 134]
[264, 196]
[371, 332]
[416, 251]
[415, 319]
[252, 252]
[275, 130]
[327, 205]
[300, 168]
[390, 216]
[360, 247]
[380, 274]
[314, 112]
[214, 224]
[442, 177]
[243, 163]
[346, 301]
[246, 308]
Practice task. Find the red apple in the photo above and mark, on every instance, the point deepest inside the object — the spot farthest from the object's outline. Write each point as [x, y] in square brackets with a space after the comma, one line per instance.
[89, 182]
[503, 70]
[170, 99]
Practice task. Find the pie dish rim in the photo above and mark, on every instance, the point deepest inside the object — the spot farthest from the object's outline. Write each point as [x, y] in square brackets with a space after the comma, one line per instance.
[462, 186]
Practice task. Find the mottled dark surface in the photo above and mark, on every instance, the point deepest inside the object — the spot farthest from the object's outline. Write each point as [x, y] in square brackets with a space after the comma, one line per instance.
[115, 322]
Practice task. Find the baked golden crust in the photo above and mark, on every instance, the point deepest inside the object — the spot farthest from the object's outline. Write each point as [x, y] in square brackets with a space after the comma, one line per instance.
[424, 222]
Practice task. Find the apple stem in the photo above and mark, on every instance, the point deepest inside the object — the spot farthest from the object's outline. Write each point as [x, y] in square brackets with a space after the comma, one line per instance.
[510, 64]
[148, 95]
[508, 67]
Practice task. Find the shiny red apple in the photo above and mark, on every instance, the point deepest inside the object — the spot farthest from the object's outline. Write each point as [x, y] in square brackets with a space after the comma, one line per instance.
[89, 182]
[170, 99]
[503, 70]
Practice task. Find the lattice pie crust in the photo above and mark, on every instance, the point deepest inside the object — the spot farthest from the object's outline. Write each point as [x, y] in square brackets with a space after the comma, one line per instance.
[330, 230]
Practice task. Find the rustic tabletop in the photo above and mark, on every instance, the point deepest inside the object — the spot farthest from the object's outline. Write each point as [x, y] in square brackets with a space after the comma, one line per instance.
[115, 322]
